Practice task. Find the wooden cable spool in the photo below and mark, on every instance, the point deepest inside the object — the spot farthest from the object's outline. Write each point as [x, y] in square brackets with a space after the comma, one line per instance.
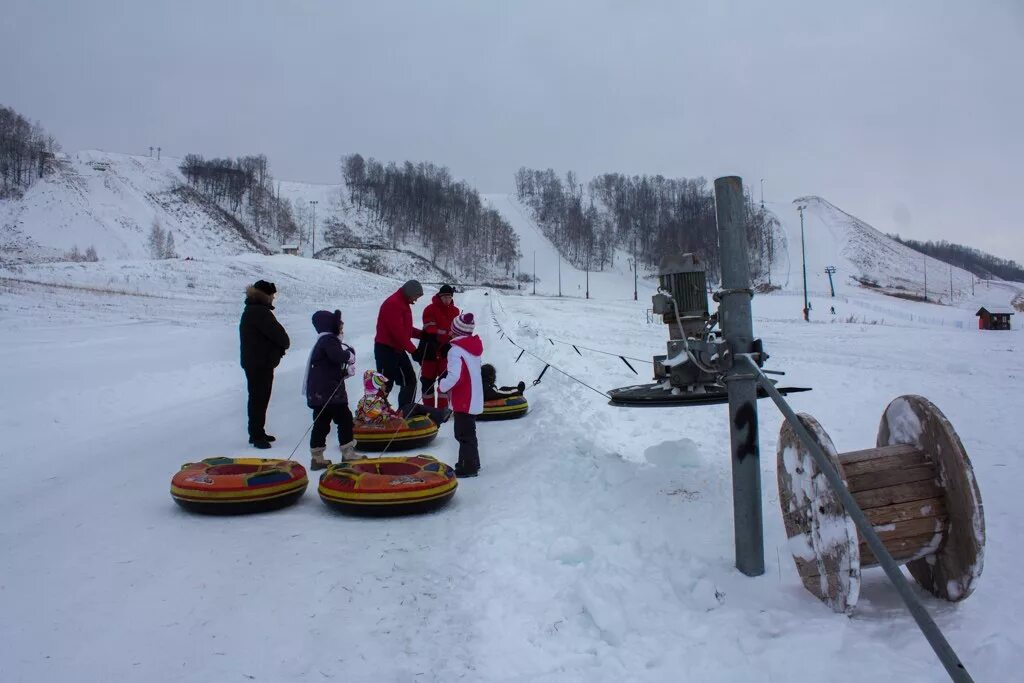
[916, 487]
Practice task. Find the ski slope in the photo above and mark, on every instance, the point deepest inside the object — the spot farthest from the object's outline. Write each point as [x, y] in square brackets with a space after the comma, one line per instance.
[554, 274]
[858, 251]
[110, 201]
[596, 544]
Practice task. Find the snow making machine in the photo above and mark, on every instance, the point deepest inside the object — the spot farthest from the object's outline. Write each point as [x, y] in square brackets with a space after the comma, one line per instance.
[691, 372]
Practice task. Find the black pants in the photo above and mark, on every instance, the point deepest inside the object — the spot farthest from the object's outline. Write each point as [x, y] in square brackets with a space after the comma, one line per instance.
[339, 414]
[397, 367]
[465, 434]
[438, 415]
[260, 382]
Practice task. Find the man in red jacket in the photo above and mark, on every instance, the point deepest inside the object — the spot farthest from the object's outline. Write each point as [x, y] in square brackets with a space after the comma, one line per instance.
[393, 344]
[437, 331]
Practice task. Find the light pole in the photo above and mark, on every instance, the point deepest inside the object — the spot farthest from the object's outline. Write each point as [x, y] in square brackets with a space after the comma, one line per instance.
[803, 257]
[535, 272]
[559, 273]
[589, 244]
[634, 267]
[313, 203]
[762, 194]
[926, 277]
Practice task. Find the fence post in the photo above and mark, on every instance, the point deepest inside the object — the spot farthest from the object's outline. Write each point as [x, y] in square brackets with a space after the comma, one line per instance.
[738, 330]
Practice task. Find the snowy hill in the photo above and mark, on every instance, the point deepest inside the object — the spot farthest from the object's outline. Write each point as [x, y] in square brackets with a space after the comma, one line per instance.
[861, 255]
[554, 274]
[109, 201]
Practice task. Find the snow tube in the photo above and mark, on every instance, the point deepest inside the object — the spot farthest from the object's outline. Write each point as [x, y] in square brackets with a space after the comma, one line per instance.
[388, 486]
[232, 486]
[415, 433]
[504, 409]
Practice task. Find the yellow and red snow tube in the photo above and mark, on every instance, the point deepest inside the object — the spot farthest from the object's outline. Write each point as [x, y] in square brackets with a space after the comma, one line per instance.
[388, 486]
[415, 432]
[231, 486]
[504, 409]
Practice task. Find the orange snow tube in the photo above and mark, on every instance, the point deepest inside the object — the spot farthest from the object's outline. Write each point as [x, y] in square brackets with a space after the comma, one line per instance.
[414, 432]
[504, 409]
[388, 486]
[232, 486]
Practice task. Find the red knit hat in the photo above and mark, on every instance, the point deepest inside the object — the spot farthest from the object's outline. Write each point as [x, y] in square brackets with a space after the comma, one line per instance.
[464, 325]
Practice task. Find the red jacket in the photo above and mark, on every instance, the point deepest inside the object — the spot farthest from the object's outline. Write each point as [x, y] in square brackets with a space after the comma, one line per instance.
[437, 320]
[394, 323]
[463, 379]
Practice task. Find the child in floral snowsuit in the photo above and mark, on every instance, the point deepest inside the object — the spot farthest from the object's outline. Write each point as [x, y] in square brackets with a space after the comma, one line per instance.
[373, 408]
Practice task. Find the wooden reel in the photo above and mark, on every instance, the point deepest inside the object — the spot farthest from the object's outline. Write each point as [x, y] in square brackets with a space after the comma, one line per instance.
[917, 488]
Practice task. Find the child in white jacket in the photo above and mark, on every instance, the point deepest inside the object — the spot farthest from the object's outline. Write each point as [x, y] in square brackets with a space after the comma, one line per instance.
[465, 385]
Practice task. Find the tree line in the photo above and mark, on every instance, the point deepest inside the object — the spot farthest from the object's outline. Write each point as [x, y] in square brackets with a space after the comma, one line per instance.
[244, 188]
[422, 202]
[970, 259]
[643, 215]
[26, 151]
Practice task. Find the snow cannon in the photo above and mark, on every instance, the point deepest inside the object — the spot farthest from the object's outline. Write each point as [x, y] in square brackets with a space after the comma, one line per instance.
[916, 488]
[691, 372]
[682, 303]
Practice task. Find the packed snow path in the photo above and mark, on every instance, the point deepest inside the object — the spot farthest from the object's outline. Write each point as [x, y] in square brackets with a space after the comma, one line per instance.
[595, 545]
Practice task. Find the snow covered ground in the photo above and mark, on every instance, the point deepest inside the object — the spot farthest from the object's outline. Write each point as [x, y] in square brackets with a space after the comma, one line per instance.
[596, 544]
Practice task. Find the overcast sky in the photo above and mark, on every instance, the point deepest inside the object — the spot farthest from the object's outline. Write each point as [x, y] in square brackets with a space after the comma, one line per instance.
[906, 114]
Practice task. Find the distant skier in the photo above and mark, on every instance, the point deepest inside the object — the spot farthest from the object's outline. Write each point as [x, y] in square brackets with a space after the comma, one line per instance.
[463, 380]
[330, 363]
[832, 310]
[263, 343]
[393, 342]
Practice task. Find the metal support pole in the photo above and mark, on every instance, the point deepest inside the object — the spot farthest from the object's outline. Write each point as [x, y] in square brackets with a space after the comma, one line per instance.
[738, 329]
[534, 272]
[313, 202]
[635, 267]
[803, 258]
[954, 667]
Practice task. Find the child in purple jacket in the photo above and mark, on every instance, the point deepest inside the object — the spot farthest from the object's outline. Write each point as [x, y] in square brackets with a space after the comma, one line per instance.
[330, 363]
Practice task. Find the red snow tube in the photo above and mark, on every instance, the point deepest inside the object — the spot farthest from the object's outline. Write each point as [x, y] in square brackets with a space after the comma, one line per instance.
[415, 432]
[388, 486]
[504, 409]
[232, 486]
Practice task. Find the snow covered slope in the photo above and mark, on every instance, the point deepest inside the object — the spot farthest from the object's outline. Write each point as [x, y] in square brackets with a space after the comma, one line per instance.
[109, 201]
[860, 253]
[554, 274]
[595, 546]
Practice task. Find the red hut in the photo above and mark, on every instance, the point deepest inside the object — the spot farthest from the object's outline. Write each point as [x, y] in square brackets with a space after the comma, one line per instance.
[994, 317]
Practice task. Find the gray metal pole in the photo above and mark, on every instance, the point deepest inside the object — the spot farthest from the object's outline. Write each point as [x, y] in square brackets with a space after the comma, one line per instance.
[738, 329]
[803, 257]
[954, 667]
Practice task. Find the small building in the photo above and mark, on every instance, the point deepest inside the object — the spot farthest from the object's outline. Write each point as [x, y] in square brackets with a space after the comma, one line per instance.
[291, 249]
[994, 317]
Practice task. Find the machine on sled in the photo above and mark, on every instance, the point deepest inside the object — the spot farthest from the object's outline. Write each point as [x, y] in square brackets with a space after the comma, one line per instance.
[692, 370]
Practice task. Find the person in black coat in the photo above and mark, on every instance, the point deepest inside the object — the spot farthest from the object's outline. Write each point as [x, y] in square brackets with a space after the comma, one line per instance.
[330, 363]
[491, 391]
[263, 343]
